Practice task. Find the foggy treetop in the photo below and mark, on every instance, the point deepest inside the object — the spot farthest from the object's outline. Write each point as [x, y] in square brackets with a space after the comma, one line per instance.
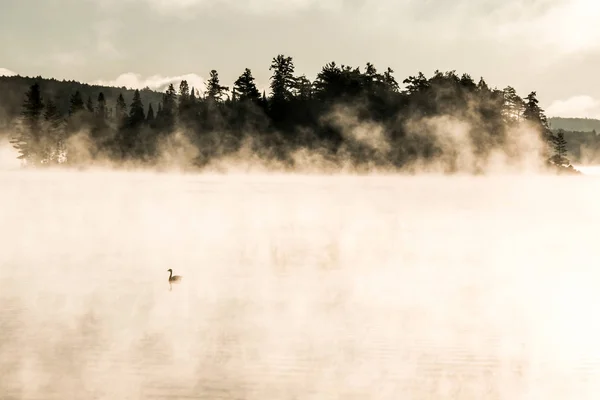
[346, 115]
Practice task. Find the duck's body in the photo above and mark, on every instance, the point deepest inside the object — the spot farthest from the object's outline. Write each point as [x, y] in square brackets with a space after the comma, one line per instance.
[173, 278]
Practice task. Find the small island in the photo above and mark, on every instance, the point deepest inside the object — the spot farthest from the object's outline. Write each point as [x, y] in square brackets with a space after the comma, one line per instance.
[347, 118]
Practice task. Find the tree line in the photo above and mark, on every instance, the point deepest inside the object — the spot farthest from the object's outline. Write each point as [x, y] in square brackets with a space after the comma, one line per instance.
[296, 114]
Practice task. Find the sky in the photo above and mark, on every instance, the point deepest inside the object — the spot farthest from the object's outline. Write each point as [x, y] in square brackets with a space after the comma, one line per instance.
[548, 46]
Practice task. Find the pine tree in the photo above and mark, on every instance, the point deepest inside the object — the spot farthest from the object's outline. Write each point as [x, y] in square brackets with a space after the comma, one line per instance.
[100, 128]
[101, 111]
[54, 148]
[214, 90]
[416, 84]
[27, 141]
[535, 115]
[282, 80]
[167, 113]
[532, 111]
[136, 111]
[150, 115]
[245, 88]
[120, 110]
[129, 136]
[513, 105]
[303, 88]
[193, 97]
[76, 103]
[89, 105]
[390, 82]
[184, 95]
[560, 148]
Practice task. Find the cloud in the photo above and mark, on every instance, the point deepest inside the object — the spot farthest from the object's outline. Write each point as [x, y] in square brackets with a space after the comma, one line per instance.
[155, 82]
[576, 106]
[566, 26]
[7, 72]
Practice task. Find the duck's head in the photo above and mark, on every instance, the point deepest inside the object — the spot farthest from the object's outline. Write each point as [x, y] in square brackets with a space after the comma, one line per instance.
[169, 270]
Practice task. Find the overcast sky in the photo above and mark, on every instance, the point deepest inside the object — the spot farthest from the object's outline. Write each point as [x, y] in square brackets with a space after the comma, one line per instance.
[550, 46]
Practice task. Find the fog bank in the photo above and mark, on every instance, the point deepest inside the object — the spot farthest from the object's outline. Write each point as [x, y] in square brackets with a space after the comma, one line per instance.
[379, 287]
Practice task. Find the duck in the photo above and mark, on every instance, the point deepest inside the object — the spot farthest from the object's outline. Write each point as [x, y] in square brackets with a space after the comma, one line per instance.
[173, 278]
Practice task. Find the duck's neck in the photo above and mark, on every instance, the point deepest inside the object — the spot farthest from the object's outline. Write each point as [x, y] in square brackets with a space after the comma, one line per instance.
[170, 274]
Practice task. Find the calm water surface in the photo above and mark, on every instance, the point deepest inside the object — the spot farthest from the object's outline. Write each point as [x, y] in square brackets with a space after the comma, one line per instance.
[298, 287]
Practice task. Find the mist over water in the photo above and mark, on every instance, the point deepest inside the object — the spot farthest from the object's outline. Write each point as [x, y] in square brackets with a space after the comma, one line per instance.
[307, 287]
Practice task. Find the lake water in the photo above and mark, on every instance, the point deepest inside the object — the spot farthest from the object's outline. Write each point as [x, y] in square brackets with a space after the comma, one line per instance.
[298, 287]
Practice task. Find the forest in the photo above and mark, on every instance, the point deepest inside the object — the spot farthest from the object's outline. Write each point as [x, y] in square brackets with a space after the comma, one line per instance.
[346, 115]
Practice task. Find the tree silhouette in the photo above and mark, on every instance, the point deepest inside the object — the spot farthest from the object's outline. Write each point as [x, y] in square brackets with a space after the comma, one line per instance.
[27, 140]
[214, 90]
[89, 105]
[53, 143]
[130, 136]
[76, 103]
[101, 110]
[167, 114]
[535, 115]
[121, 110]
[343, 115]
[560, 148]
[245, 88]
[150, 115]
[282, 80]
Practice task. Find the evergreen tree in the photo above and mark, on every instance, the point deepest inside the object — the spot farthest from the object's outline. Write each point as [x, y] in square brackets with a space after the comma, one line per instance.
[129, 136]
[416, 84]
[282, 80]
[184, 94]
[101, 131]
[136, 111]
[532, 111]
[245, 88]
[560, 148]
[76, 103]
[159, 112]
[167, 112]
[27, 141]
[214, 90]
[150, 115]
[390, 82]
[120, 110]
[535, 115]
[54, 149]
[513, 105]
[101, 110]
[303, 88]
[193, 98]
[186, 104]
[89, 105]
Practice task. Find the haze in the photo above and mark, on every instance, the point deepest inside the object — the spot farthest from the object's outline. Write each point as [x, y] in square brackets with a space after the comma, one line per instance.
[295, 286]
[342, 234]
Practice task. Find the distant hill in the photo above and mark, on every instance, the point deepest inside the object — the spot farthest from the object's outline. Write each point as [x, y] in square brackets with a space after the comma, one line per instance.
[583, 141]
[13, 88]
[575, 124]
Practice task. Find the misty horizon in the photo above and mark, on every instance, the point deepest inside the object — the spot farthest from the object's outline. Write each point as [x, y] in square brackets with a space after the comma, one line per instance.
[299, 200]
[347, 119]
